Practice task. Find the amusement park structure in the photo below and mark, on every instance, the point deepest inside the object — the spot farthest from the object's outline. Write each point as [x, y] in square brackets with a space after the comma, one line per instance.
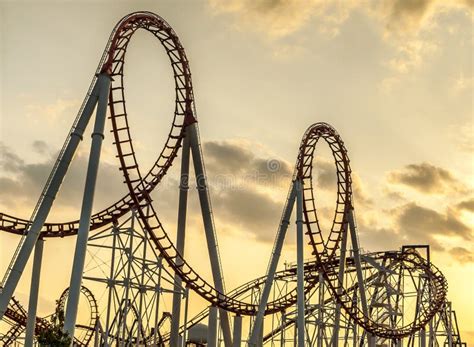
[339, 297]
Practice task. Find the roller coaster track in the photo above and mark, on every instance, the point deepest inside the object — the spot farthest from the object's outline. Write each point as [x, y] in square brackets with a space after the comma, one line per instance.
[311, 269]
[93, 317]
[140, 187]
[17, 314]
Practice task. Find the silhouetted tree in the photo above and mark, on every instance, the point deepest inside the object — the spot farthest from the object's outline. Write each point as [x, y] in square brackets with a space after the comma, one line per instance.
[54, 335]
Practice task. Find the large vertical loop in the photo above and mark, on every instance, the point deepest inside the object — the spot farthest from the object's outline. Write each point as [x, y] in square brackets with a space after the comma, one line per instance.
[324, 248]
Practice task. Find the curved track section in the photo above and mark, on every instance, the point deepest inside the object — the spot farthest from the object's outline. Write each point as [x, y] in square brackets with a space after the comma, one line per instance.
[18, 314]
[412, 264]
[140, 186]
[88, 328]
[325, 249]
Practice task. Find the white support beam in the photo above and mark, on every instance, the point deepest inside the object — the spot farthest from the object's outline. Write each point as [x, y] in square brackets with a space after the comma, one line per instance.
[272, 266]
[34, 292]
[87, 204]
[209, 227]
[300, 264]
[46, 200]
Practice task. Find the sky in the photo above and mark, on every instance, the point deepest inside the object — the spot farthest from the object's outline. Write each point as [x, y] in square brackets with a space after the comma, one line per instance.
[394, 77]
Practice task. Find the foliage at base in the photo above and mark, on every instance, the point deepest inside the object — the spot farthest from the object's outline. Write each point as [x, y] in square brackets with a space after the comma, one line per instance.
[54, 335]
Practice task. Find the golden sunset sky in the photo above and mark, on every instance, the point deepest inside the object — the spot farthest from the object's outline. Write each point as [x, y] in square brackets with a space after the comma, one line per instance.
[394, 77]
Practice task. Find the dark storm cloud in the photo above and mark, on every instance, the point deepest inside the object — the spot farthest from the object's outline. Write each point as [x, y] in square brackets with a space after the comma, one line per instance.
[426, 178]
[462, 255]
[421, 222]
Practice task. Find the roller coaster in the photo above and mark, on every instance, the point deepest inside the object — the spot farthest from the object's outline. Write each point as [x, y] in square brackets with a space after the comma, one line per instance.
[341, 296]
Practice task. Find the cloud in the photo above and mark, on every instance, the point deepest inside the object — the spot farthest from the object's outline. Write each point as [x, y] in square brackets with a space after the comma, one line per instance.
[325, 174]
[408, 28]
[410, 224]
[403, 16]
[241, 183]
[462, 255]
[23, 182]
[422, 224]
[360, 194]
[463, 83]
[467, 205]
[254, 212]
[54, 111]
[276, 18]
[248, 186]
[9, 161]
[373, 238]
[40, 147]
[394, 195]
[409, 55]
[233, 164]
[227, 156]
[405, 25]
[464, 137]
[426, 178]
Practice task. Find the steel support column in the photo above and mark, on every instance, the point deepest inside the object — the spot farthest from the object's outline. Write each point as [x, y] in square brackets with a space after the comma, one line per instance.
[45, 201]
[111, 282]
[180, 240]
[212, 327]
[158, 293]
[340, 279]
[87, 203]
[272, 266]
[449, 324]
[186, 308]
[237, 336]
[423, 337]
[34, 291]
[360, 277]
[320, 319]
[300, 264]
[209, 227]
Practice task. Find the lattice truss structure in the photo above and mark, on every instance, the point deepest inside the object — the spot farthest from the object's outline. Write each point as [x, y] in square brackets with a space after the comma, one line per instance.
[125, 256]
[125, 267]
